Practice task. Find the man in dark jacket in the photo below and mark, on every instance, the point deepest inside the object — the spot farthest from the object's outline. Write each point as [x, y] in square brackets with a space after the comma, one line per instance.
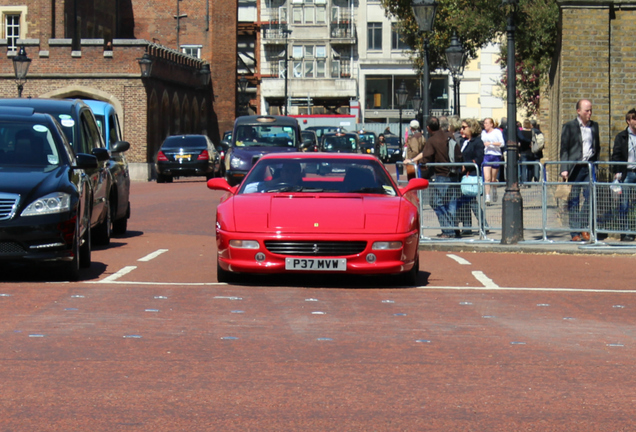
[443, 199]
[579, 142]
[625, 151]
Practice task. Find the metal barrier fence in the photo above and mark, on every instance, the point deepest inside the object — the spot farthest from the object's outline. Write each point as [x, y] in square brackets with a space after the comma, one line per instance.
[553, 211]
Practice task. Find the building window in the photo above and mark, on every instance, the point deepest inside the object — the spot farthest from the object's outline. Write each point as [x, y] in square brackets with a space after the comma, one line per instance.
[12, 30]
[192, 50]
[396, 38]
[374, 36]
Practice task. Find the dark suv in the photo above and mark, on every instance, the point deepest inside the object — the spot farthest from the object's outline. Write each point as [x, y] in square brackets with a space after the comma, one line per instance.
[82, 132]
[255, 136]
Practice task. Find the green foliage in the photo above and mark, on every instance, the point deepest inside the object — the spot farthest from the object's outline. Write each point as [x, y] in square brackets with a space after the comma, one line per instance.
[478, 22]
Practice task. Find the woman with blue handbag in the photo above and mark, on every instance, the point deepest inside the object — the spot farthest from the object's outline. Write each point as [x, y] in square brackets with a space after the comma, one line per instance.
[472, 152]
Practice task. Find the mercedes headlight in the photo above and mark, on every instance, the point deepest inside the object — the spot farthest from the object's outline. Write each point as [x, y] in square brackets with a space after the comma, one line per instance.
[58, 202]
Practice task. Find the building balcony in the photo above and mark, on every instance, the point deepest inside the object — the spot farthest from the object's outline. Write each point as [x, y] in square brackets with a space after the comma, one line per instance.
[314, 88]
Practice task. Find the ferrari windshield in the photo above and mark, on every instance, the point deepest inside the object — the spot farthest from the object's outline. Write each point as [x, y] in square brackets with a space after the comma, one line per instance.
[265, 136]
[317, 175]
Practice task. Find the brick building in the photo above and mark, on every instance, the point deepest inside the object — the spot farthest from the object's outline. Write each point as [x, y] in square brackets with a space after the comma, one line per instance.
[595, 60]
[91, 49]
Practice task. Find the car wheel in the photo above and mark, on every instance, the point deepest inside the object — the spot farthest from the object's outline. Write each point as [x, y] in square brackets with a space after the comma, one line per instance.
[209, 175]
[85, 250]
[71, 269]
[161, 178]
[410, 277]
[103, 230]
[224, 276]
[169, 179]
[120, 226]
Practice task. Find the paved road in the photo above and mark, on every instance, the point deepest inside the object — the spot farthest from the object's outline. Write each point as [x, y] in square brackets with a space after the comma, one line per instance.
[148, 341]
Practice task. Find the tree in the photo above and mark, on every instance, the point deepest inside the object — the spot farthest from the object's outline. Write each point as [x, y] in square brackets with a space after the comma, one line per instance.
[478, 22]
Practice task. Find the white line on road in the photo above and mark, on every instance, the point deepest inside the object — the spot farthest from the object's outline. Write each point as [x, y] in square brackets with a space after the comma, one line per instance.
[116, 282]
[459, 259]
[481, 277]
[567, 290]
[153, 255]
[117, 275]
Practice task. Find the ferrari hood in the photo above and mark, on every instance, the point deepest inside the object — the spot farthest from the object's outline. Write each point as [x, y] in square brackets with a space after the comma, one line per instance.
[306, 213]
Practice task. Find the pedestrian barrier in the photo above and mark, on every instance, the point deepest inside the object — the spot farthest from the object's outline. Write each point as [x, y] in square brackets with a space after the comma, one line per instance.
[553, 209]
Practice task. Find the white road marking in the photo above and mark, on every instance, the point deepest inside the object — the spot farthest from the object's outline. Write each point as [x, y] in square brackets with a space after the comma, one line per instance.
[117, 275]
[481, 277]
[567, 290]
[459, 259]
[116, 282]
[153, 255]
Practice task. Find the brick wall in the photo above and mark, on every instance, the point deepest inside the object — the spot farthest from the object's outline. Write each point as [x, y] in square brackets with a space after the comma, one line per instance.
[595, 61]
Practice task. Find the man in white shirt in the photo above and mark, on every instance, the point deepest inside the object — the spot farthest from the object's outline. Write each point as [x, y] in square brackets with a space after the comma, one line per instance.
[580, 142]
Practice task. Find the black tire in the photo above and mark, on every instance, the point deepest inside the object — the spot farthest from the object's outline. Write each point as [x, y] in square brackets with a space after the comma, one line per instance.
[85, 250]
[169, 179]
[161, 178]
[70, 270]
[120, 226]
[410, 277]
[224, 276]
[209, 175]
[102, 232]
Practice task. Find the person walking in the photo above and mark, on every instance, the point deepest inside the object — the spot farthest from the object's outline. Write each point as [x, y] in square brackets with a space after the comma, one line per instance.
[381, 150]
[524, 136]
[472, 150]
[443, 200]
[579, 142]
[414, 146]
[493, 143]
[625, 151]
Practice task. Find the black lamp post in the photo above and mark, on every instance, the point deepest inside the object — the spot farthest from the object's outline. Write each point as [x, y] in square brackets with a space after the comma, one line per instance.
[456, 59]
[424, 12]
[417, 104]
[205, 74]
[286, 33]
[401, 95]
[243, 97]
[21, 65]
[512, 203]
[145, 65]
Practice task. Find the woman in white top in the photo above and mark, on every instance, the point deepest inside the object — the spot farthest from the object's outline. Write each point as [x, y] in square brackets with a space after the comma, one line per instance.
[493, 142]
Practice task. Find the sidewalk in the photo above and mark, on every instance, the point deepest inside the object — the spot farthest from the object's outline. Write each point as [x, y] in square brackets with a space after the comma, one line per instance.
[610, 246]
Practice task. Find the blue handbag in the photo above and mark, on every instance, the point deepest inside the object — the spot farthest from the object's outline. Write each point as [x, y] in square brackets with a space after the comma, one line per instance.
[470, 185]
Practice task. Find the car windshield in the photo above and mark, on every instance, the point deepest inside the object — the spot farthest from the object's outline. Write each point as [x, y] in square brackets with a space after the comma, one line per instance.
[27, 144]
[392, 141]
[367, 139]
[318, 175]
[334, 143]
[265, 136]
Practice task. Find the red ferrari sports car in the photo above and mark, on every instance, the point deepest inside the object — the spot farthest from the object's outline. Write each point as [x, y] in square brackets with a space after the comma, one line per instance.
[317, 213]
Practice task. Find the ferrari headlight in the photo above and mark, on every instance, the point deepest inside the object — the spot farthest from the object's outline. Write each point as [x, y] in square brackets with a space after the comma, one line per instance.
[57, 202]
[244, 244]
[387, 245]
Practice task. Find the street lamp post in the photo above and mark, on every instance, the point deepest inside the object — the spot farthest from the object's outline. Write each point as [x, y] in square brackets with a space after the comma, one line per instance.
[417, 103]
[21, 65]
[243, 98]
[512, 203]
[424, 12]
[456, 59]
[286, 33]
[401, 94]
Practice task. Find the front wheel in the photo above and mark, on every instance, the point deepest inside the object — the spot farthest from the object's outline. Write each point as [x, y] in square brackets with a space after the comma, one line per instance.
[85, 250]
[224, 276]
[103, 230]
[410, 277]
[120, 226]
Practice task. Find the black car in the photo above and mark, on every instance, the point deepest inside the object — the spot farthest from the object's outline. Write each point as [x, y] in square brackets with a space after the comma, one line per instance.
[255, 136]
[81, 130]
[321, 130]
[340, 142]
[45, 205]
[368, 140]
[394, 148]
[187, 155]
[310, 141]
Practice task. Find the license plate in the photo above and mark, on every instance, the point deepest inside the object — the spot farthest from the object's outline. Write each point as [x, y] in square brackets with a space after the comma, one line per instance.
[316, 264]
[182, 157]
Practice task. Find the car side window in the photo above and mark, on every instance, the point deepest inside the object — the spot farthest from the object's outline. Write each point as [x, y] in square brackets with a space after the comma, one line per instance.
[114, 132]
[91, 131]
